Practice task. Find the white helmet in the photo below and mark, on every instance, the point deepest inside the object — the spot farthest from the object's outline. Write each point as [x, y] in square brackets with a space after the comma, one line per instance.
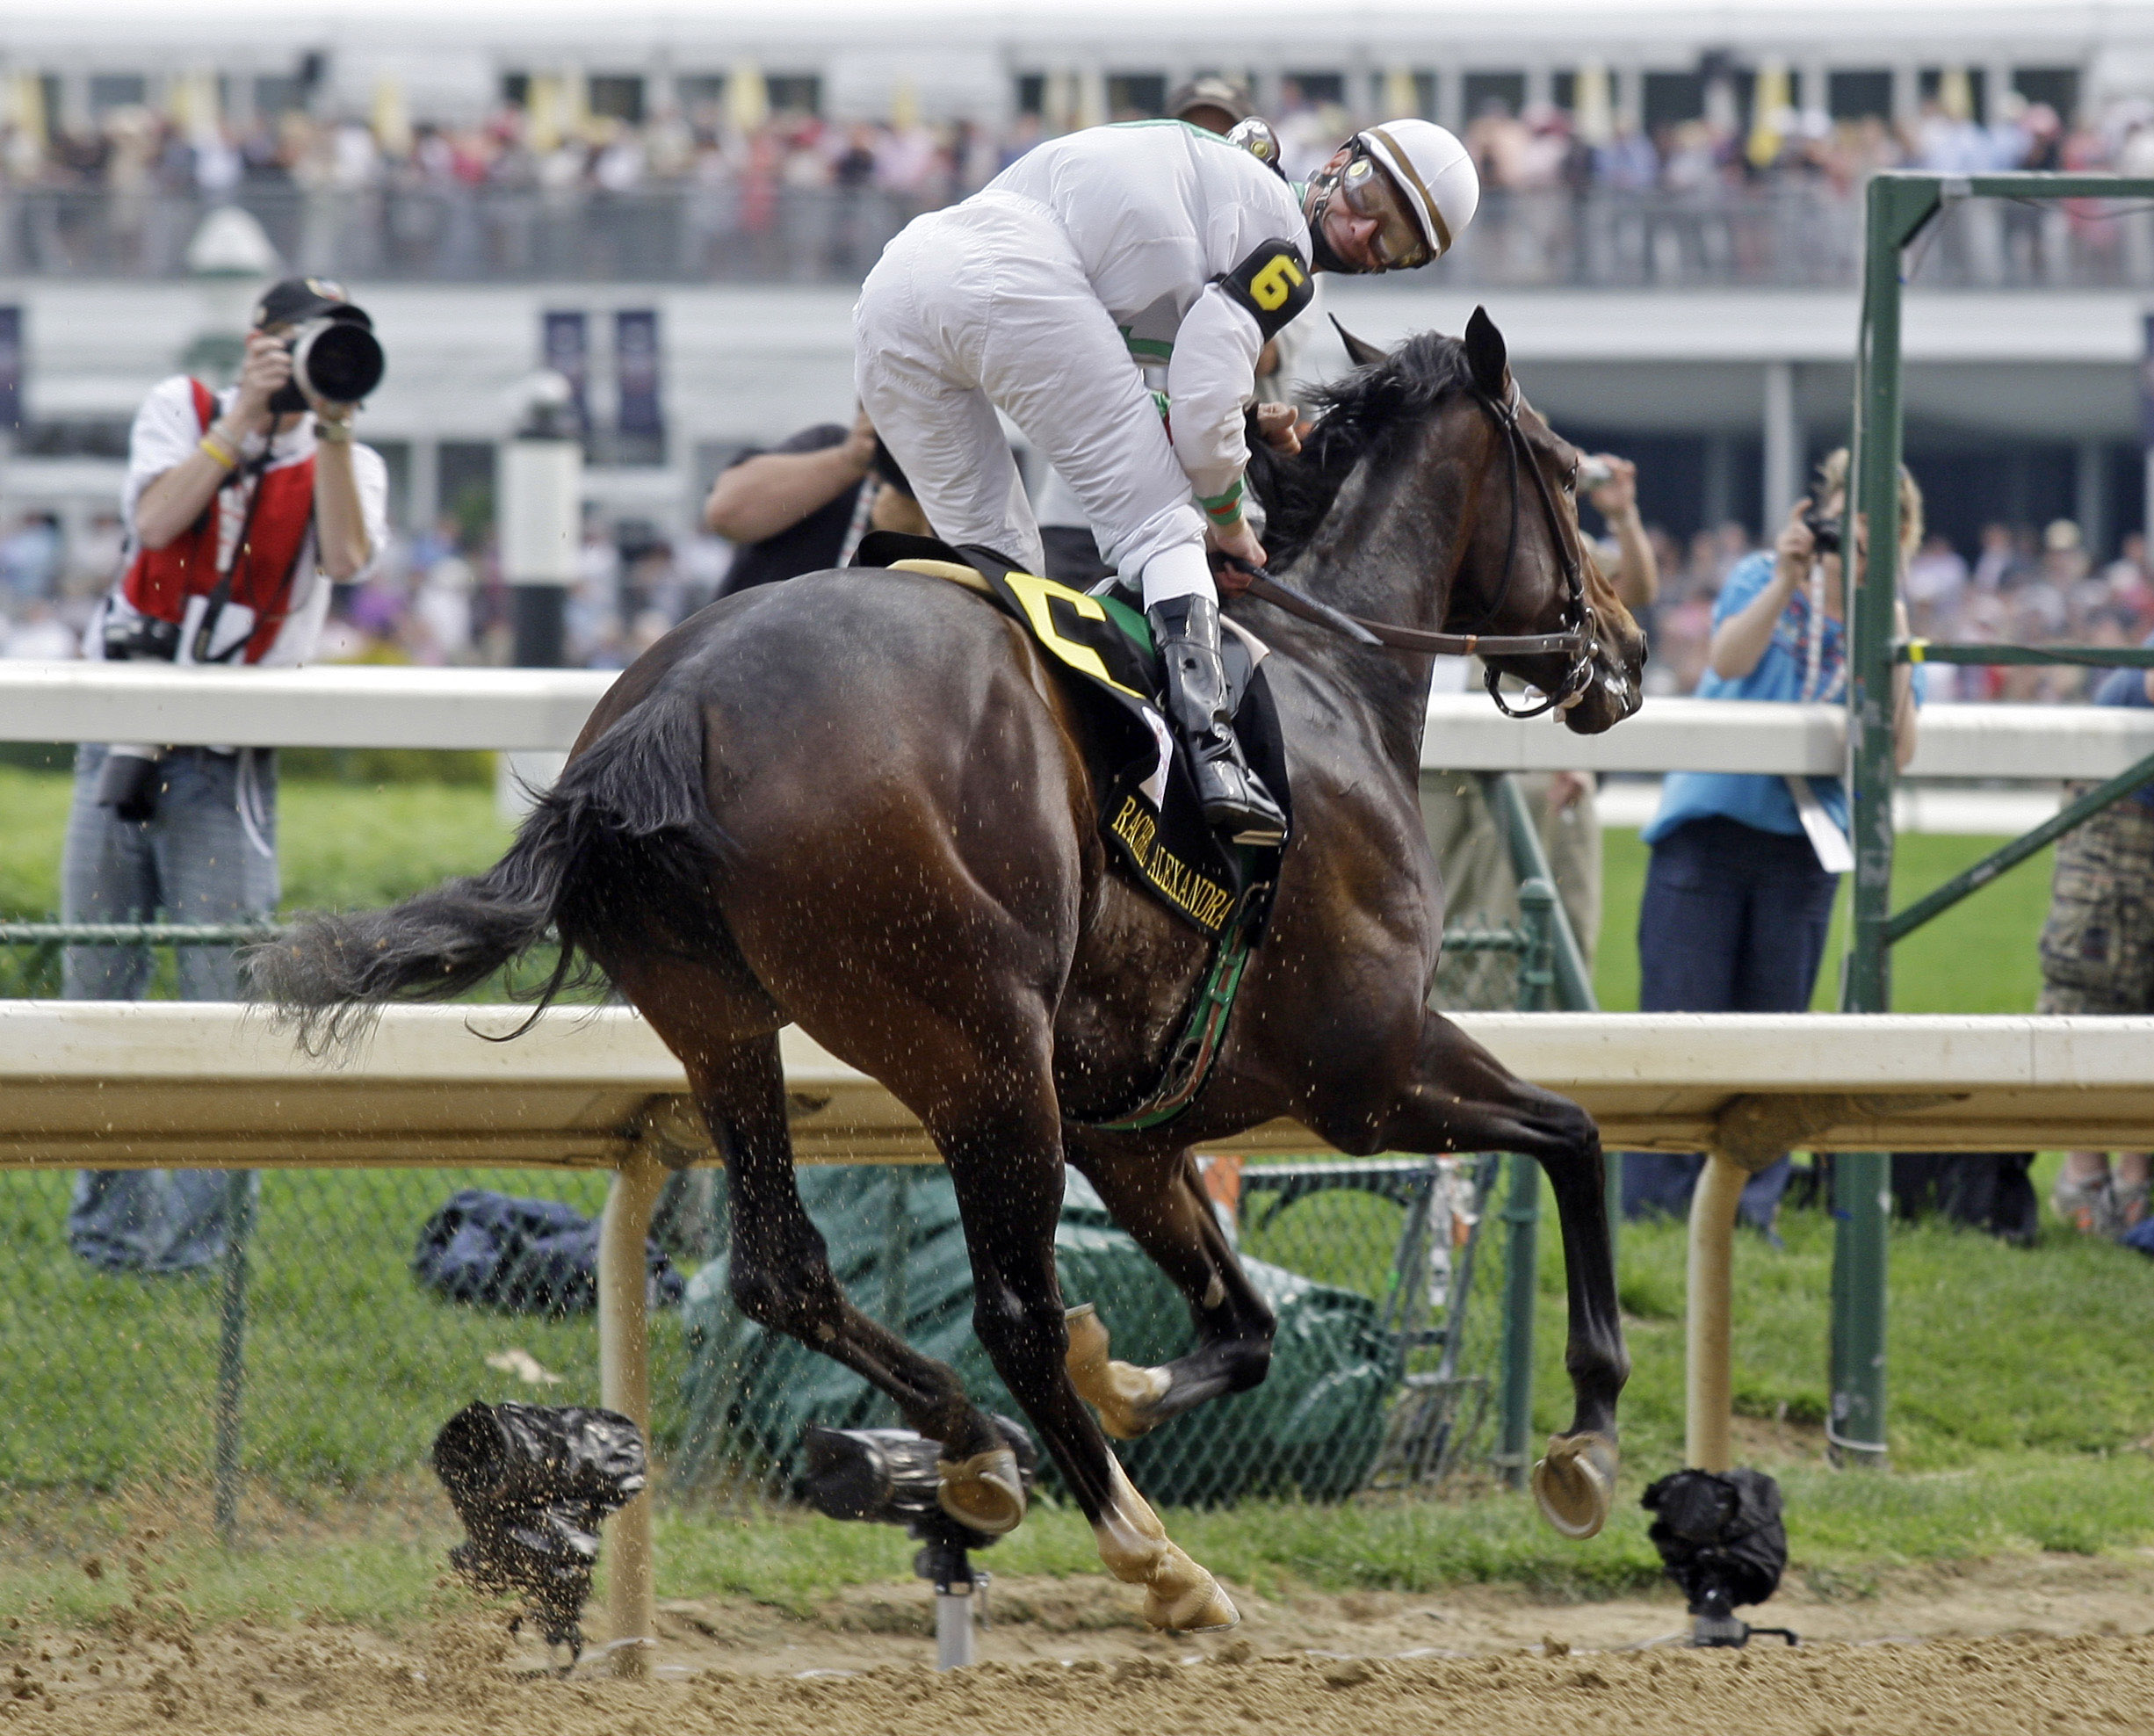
[1433, 170]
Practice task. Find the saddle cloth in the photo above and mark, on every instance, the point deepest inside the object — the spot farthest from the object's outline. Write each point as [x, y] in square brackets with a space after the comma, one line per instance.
[1102, 650]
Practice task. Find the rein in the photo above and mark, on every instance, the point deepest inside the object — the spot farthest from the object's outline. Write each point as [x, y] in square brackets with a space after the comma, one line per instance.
[1575, 640]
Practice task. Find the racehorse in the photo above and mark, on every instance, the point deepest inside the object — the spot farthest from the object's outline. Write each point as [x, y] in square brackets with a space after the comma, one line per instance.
[859, 801]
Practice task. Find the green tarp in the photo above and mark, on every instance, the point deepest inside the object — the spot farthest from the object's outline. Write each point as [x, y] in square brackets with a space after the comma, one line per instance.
[1312, 1428]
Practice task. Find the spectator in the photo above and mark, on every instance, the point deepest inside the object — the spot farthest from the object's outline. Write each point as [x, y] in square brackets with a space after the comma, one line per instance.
[38, 631]
[1935, 582]
[1744, 865]
[240, 513]
[2098, 957]
[30, 559]
[803, 505]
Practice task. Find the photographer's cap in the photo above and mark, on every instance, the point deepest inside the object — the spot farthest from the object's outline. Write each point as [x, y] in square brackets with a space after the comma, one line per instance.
[1211, 91]
[295, 301]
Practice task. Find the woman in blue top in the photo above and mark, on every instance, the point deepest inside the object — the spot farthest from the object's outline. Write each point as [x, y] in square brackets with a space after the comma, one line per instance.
[1744, 865]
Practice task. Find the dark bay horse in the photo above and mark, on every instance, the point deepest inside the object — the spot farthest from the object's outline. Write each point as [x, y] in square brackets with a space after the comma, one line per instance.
[859, 802]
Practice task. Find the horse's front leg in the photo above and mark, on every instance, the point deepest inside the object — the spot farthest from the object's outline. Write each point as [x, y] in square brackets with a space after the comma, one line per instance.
[1459, 1098]
[1006, 1165]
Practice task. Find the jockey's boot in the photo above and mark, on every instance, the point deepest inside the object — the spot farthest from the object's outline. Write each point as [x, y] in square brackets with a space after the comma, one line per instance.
[1234, 798]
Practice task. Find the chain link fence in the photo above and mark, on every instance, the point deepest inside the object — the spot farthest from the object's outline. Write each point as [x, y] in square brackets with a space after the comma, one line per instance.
[288, 1376]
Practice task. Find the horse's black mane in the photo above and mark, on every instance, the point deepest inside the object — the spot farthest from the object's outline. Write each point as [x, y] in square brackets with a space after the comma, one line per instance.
[1355, 416]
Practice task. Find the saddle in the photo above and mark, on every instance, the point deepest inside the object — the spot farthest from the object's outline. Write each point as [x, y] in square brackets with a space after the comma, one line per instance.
[1149, 814]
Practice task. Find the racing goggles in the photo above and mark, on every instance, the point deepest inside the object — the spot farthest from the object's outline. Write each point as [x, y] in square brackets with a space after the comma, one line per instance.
[1399, 244]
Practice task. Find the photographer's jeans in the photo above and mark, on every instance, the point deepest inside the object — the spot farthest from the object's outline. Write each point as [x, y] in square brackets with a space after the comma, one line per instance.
[209, 855]
[1733, 920]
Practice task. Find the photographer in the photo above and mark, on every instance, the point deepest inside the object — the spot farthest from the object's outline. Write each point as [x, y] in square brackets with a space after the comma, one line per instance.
[803, 504]
[242, 506]
[1744, 865]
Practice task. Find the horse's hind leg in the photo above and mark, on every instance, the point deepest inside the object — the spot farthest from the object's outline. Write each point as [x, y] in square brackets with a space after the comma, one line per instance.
[1161, 1201]
[782, 1280]
[1462, 1098]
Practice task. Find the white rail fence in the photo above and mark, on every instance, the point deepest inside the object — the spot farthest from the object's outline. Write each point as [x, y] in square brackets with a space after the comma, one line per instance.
[369, 705]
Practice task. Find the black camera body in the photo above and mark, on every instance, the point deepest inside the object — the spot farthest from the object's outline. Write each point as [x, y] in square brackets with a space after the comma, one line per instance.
[894, 1477]
[1826, 535]
[337, 358]
[133, 776]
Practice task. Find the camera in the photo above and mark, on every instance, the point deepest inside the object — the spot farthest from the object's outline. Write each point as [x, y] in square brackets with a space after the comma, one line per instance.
[1593, 473]
[337, 359]
[130, 638]
[1824, 534]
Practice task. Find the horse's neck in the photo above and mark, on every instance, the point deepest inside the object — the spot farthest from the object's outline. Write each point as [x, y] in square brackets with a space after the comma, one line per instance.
[1394, 564]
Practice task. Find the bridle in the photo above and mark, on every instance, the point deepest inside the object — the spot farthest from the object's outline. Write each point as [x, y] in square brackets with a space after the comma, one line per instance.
[1575, 640]
[1577, 611]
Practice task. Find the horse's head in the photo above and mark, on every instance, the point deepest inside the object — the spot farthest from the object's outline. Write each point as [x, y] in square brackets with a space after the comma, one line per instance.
[1433, 493]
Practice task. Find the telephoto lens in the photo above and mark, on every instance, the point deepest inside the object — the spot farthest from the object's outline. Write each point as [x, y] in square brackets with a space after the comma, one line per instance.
[337, 359]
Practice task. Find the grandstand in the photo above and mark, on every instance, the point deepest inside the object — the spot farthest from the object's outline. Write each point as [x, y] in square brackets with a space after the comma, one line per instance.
[1669, 241]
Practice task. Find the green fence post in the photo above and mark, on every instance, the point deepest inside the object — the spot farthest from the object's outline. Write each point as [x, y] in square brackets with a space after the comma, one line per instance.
[1522, 1211]
[1898, 205]
[1573, 982]
[231, 1348]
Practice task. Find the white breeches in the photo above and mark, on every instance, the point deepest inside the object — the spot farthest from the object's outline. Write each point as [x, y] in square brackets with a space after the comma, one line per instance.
[985, 305]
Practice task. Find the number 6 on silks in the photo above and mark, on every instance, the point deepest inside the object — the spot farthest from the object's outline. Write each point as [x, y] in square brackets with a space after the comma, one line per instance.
[1272, 284]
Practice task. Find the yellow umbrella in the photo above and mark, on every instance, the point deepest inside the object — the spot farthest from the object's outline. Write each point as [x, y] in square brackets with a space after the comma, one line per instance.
[1955, 94]
[1400, 96]
[392, 118]
[1769, 105]
[748, 97]
[1592, 114]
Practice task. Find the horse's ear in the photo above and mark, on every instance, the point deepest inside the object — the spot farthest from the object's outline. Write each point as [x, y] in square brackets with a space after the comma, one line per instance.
[1359, 351]
[1486, 354]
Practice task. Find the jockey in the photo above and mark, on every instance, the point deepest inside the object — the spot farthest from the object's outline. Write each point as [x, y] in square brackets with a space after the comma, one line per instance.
[1046, 292]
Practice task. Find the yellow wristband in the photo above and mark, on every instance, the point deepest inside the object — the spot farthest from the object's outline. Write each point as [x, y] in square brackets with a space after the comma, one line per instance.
[215, 449]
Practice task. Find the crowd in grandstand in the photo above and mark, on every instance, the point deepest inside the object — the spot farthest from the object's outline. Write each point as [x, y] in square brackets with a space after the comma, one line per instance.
[135, 149]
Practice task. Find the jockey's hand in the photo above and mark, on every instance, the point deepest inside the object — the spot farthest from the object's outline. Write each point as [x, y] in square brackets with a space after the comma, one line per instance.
[860, 444]
[1240, 542]
[1277, 424]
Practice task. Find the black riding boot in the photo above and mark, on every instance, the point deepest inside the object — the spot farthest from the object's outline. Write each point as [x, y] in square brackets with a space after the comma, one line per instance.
[1234, 798]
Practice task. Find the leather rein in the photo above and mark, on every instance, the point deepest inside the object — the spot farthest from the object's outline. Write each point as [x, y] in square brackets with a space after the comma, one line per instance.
[1575, 640]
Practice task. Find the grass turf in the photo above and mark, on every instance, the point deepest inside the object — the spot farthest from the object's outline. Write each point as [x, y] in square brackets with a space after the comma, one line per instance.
[2018, 1434]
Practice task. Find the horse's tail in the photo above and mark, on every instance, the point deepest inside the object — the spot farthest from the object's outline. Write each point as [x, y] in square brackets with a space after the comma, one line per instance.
[616, 819]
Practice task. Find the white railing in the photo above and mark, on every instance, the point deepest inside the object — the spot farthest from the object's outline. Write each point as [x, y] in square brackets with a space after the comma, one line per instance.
[369, 705]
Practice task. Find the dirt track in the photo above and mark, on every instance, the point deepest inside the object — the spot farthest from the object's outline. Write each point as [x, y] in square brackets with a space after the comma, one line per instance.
[2051, 1645]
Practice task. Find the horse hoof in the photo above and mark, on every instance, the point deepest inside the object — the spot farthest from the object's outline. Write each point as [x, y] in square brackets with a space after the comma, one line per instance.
[984, 1491]
[1124, 1395]
[1183, 1598]
[1180, 1596]
[1575, 1485]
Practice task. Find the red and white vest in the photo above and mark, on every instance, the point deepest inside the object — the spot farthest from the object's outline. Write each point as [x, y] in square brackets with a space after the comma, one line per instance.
[159, 581]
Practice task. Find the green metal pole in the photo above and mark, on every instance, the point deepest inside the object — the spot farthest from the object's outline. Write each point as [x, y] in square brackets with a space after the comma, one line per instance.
[1528, 861]
[1898, 205]
[2010, 855]
[1574, 992]
[1521, 1211]
[232, 1349]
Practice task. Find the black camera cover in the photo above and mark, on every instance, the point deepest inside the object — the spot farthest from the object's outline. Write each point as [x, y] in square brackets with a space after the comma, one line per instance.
[1719, 1530]
[532, 1484]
